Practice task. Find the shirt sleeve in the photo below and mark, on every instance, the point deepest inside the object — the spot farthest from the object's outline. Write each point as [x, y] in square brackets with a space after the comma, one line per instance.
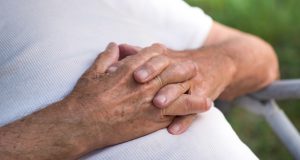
[173, 22]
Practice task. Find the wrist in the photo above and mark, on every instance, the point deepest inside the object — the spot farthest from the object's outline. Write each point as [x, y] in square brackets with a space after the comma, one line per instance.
[75, 131]
[216, 69]
[89, 128]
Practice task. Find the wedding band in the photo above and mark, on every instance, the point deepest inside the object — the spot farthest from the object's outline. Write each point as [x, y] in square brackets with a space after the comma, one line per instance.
[162, 112]
[159, 80]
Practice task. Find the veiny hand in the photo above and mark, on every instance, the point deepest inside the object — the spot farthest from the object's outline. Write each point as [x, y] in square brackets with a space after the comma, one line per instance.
[208, 83]
[113, 108]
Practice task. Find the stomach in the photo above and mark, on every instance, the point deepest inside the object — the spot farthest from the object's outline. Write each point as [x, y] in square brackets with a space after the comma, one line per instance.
[209, 137]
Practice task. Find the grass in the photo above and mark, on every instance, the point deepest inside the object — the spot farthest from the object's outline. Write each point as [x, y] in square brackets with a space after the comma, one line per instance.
[278, 22]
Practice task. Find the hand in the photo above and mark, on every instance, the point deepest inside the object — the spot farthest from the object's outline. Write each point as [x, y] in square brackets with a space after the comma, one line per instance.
[206, 85]
[105, 108]
[113, 107]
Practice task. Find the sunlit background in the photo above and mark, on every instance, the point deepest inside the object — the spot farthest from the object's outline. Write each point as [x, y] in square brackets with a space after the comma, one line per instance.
[278, 22]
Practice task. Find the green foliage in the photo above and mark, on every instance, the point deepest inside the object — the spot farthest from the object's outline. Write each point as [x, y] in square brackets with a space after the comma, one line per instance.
[278, 22]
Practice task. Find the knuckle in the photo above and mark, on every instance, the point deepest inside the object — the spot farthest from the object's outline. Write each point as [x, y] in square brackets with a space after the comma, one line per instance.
[158, 45]
[164, 59]
[182, 87]
[161, 58]
[150, 53]
[170, 89]
[188, 105]
[128, 67]
[206, 108]
[207, 104]
[149, 67]
[195, 106]
[159, 62]
[179, 70]
[91, 74]
[187, 69]
[193, 66]
[202, 105]
[162, 48]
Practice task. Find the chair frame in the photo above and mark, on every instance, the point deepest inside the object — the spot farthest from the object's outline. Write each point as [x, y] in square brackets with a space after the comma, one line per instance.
[263, 103]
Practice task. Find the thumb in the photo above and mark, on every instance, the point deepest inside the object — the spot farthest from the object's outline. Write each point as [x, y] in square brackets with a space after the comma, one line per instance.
[105, 59]
[128, 50]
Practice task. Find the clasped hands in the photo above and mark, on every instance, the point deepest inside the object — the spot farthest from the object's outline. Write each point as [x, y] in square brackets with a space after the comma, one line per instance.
[129, 92]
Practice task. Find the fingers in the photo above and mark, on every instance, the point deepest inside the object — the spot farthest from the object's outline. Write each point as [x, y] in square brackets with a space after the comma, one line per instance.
[181, 124]
[125, 50]
[113, 67]
[128, 50]
[151, 68]
[134, 61]
[176, 73]
[109, 56]
[169, 93]
[187, 104]
[145, 54]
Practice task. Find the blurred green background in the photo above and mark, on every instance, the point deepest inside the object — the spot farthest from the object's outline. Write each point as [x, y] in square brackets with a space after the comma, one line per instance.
[278, 22]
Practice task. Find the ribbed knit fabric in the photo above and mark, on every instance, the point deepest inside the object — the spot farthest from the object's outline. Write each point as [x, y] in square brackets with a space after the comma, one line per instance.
[45, 46]
[209, 138]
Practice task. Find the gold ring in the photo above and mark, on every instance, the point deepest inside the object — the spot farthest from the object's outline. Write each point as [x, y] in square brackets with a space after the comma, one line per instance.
[162, 112]
[159, 80]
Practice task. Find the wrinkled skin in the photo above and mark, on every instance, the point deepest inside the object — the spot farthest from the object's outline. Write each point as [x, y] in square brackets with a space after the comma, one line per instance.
[105, 108]
[211, 77]
[124, 107]
[209, 82]
[112, 103]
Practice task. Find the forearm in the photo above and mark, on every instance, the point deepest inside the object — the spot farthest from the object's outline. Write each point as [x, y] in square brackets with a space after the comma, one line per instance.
[251, 60]
[51, 133]
[256, 63]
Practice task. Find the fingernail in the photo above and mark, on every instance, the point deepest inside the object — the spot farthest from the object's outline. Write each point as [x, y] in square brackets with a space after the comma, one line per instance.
[142, 74]
[161, 99]
[175, 128]
[112, 69]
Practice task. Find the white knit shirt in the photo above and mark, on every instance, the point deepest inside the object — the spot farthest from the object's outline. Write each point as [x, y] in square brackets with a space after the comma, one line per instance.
[45, 46]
